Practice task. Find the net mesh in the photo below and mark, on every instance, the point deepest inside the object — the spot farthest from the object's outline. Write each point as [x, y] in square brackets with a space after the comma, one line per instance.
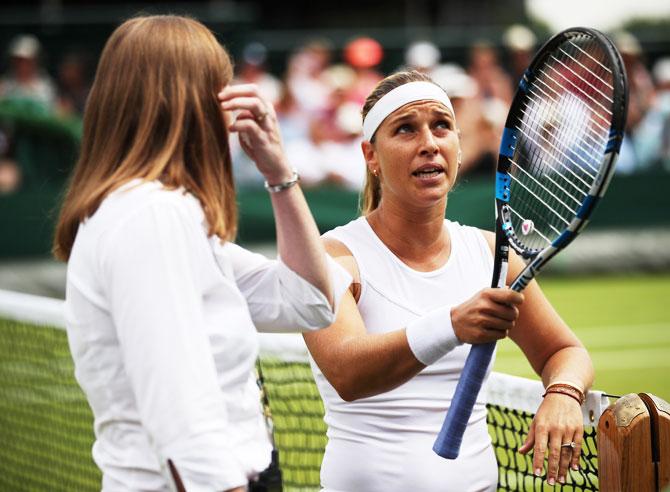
[46, 426]
[297, 412]
[508, 428]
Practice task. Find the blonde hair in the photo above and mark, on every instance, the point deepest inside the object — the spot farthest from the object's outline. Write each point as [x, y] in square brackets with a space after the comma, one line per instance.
[153, 114]
[372, 193]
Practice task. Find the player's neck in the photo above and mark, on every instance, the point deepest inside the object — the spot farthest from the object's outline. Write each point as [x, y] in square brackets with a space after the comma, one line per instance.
[417, 237]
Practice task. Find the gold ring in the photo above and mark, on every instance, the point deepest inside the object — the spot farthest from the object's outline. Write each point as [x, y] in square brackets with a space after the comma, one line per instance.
[570, 444]
[262, 116]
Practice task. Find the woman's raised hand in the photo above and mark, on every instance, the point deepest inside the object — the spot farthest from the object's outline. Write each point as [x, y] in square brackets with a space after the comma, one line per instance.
[255, 120]
[487, 316]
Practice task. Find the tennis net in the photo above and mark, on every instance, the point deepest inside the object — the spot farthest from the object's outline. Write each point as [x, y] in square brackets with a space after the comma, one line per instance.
[46, 424]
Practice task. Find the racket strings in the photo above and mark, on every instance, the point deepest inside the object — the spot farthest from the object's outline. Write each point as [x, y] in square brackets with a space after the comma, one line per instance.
[592, 149]
[563, 130]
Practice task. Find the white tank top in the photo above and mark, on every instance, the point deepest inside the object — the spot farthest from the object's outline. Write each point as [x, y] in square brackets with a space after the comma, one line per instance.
[384, 443]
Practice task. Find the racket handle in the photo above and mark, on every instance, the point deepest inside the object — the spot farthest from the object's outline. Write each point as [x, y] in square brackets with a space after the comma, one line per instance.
[448, 442]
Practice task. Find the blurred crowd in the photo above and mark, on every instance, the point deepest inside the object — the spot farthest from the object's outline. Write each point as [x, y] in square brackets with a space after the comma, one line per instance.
[319, 97]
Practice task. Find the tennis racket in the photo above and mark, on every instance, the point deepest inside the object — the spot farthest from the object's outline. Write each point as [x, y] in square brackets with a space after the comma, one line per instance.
[559, 146]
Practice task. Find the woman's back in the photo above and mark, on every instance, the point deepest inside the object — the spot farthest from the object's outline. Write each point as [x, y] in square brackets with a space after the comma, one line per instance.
[190, 306]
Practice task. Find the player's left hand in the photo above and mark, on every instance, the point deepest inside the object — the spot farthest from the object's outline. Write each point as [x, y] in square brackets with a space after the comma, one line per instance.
[556, 426]
[256, 123]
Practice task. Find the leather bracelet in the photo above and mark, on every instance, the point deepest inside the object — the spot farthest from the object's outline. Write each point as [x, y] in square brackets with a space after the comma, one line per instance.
[276, 188]
[567, 390]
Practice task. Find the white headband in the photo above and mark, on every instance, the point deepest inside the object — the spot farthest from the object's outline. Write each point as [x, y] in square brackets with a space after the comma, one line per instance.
[398, 97]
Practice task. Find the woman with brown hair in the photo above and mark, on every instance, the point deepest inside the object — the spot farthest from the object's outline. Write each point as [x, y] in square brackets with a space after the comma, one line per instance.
[161, 306]
[388, 367]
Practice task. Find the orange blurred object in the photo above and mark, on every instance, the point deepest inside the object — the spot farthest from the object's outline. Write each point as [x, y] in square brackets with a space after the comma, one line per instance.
[363, 53]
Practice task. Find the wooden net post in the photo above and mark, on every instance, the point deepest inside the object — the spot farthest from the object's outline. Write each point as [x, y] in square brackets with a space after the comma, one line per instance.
[634, 444]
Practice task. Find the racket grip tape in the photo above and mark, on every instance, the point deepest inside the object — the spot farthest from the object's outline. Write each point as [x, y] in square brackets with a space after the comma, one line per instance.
[448, 442]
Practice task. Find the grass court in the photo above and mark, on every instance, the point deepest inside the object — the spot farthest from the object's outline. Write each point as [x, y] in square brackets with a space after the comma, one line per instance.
[624, 321]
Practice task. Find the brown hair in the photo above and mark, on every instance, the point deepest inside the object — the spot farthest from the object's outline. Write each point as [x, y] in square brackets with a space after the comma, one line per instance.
[372, 193]
[153, 114]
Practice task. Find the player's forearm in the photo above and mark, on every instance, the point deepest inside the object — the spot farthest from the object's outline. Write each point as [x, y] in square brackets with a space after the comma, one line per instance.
[569, 365]
[298, 241]
[371, 364]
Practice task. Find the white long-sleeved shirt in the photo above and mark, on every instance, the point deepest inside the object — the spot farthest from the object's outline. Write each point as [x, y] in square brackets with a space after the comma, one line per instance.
[161, 322]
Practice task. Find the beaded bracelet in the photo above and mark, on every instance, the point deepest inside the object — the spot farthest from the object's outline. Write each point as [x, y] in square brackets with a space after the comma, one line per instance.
[282, 186]
[567, 390]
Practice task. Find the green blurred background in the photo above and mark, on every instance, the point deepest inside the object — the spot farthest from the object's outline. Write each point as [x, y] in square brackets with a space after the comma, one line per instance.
[624, 321]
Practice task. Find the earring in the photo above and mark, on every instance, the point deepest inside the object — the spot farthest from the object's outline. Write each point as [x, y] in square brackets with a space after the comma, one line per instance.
[459, 159]
[376, 173]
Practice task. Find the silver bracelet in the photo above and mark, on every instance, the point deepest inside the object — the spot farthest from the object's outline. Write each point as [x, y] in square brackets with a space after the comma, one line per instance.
[283, 186]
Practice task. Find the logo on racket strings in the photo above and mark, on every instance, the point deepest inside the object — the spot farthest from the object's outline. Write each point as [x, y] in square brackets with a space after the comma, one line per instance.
[527, 227]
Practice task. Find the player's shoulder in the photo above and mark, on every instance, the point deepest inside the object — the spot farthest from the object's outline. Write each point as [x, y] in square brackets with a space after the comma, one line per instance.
[335, 247]
[334, 244]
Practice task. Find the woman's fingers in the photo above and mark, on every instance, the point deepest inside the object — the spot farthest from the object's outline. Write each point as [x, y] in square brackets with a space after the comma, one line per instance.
[253, 105]
[505, 312]
[238, 90]
[505, 296]
[555, 456]
[565, 458]
[577, 451]
[530, 440]
[494, 335]
[539, 448]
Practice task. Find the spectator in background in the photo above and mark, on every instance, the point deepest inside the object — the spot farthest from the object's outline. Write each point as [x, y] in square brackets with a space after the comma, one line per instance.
[331, 152]
[422, 56]
[252, 70]
[483, 120]
[74, 82]
[304, 76]
[26, 79]
[661, 110]
[26, 84]
[519, 42]
[292, 120]
[485, 68]
[651, 138]
[10, 174]
[640, 99]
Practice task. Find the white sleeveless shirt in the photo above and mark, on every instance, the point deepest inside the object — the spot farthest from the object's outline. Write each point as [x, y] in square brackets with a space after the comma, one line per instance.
[384, 443]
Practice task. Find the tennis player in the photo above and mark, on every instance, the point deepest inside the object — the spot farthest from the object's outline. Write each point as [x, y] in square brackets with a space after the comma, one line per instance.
[161, 307]
[387, 368]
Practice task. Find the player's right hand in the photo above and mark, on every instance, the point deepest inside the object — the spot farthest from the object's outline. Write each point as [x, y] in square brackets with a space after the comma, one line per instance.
[487, 316]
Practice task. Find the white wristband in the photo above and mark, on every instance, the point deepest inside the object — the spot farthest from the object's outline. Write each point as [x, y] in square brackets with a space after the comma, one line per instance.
[432, 336]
